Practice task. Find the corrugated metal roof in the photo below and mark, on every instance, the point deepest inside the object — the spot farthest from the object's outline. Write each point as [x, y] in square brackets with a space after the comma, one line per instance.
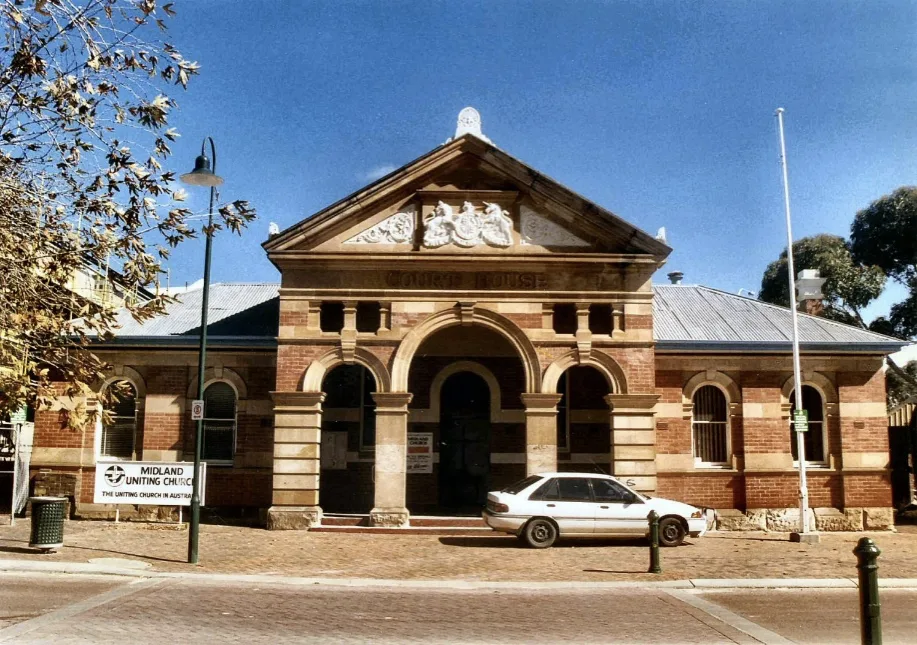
[687, 314]
[234, 309]
[684, 317]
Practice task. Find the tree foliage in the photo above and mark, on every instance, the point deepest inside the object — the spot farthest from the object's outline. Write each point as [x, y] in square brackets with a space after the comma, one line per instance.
[848, 288]
[885, 234]
[84, 139]
[900, 387]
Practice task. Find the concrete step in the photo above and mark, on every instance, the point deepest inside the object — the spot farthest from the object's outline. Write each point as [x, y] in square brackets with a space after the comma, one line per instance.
[407, 530]
[419, 524]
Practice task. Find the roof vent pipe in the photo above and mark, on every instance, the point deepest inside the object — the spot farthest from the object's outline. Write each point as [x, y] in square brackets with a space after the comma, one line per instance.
[675, 277]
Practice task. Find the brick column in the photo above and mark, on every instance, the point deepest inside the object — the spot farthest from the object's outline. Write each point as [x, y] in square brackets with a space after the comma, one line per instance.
[633, 439]
[540, 432]
[297, 445]
[864, 446]
[390, 507]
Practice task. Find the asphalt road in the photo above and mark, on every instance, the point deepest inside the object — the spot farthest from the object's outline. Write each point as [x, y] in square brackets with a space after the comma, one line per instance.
[83, 609]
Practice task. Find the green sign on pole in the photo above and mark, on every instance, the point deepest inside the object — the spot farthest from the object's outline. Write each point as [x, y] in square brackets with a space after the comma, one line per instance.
[801, 420]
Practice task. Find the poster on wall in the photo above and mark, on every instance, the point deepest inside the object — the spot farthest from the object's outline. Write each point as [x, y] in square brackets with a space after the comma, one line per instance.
[420, 452]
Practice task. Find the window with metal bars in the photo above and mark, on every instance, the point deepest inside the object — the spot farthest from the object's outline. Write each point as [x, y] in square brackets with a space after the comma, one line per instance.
[219, 435]
[119, 430]
[710, 427]
[814, 438]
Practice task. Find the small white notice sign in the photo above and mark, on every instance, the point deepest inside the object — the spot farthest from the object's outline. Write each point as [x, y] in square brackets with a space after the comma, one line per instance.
[146, 482]
[197, 410]
[420, 452]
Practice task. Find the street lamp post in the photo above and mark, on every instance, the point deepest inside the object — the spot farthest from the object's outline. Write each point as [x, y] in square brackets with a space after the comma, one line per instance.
[203, 175]
[804, 534]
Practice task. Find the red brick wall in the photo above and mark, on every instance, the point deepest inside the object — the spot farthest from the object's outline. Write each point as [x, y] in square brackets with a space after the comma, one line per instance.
[867, 489]
[712, 490]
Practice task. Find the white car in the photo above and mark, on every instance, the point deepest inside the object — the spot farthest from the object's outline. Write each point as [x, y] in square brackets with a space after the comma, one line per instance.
[543, 507]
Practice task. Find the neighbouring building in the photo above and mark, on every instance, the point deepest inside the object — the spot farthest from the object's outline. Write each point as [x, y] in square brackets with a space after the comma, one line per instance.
[464, 321]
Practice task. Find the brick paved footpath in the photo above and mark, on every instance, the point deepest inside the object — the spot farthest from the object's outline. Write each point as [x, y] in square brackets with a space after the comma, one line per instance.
[74, 609]
[227, 549]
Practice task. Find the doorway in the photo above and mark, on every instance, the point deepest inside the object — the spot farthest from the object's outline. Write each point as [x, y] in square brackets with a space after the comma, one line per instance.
[464, 443]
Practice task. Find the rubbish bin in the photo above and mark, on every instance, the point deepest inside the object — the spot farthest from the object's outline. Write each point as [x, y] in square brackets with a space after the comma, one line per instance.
[47, 523]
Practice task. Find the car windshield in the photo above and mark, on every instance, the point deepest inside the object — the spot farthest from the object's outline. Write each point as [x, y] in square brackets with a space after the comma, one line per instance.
[521, 485]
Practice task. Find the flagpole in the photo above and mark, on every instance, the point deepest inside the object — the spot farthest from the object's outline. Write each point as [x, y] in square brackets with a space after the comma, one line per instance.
[804, 535]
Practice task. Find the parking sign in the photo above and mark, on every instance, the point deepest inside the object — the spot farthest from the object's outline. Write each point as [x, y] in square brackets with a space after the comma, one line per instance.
[197, 410]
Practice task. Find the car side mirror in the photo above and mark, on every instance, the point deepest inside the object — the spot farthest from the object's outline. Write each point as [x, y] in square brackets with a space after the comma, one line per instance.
[633, 499]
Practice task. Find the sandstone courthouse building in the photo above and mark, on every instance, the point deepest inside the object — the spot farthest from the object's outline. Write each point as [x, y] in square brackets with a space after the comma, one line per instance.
[465, 321]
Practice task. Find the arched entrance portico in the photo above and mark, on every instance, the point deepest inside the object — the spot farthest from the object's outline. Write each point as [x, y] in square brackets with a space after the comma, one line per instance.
[467, 385]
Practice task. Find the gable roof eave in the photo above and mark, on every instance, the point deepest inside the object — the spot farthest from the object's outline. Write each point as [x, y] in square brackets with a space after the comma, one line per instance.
[635, 239]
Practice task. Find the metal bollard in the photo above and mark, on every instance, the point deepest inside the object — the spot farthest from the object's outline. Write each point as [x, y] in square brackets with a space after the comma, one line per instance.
[867, 553]
[655, 567]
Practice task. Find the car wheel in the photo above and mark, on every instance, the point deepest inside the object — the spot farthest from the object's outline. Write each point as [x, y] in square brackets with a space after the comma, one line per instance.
[540, 534]
[671, 531]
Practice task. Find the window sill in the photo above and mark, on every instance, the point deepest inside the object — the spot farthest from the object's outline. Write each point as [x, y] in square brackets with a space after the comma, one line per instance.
[221, 463]
[814, 465]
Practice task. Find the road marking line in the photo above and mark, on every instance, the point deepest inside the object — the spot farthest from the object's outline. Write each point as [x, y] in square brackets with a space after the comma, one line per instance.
[69, 611]
[732, 619]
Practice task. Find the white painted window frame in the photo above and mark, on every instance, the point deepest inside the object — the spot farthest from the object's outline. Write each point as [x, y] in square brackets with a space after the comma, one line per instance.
[100, 425]
[698, 461]
[824, 462]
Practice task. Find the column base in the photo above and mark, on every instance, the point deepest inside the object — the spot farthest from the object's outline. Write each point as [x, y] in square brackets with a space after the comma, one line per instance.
[804, 538]
[389, 517]
[295, 518]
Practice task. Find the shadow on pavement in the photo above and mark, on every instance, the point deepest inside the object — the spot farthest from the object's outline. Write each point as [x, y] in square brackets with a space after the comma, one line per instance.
[18, 549]
[514, 543]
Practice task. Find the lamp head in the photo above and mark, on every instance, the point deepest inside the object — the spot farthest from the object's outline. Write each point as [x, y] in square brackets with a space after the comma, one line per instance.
[202, 175]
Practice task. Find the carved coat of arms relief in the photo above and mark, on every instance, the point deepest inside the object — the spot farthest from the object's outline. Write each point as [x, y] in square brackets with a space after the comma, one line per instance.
[469, 227]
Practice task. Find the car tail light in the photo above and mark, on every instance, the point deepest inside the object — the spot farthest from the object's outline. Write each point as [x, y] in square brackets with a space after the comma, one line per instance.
[497, 507]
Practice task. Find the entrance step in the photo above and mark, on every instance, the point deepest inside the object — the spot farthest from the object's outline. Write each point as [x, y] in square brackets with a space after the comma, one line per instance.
[419, 525]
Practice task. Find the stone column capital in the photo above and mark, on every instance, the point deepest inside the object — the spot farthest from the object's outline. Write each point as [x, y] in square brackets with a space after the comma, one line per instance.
[632, 403]
[536, 401]
[297, 401]
[392, 402]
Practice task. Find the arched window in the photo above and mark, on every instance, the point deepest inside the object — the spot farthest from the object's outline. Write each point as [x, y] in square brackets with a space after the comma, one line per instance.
[709, 426]
[119, 422]
[219, 436]
[814, 439]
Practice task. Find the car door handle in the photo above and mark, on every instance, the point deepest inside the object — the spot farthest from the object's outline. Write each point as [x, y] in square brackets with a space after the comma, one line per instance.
[550, 505]
[603, 507]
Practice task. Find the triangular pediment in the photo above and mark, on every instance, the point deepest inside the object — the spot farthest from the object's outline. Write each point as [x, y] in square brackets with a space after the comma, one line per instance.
[466, 196]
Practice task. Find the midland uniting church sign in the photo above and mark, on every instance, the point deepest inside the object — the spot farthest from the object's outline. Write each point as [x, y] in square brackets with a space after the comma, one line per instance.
[146, 482]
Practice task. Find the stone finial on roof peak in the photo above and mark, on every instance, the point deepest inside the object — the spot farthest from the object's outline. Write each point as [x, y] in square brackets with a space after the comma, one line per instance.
[469, 122]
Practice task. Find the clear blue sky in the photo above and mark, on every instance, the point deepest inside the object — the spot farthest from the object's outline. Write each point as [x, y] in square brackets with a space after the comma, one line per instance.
[659, 111]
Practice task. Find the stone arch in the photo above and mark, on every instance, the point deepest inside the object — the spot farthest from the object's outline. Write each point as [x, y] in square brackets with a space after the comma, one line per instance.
[129, 374]
[315, 373]
[401, 362]
[617, 381]
[214, 374]
[436, 386]
[819, 381]
[716, 378]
